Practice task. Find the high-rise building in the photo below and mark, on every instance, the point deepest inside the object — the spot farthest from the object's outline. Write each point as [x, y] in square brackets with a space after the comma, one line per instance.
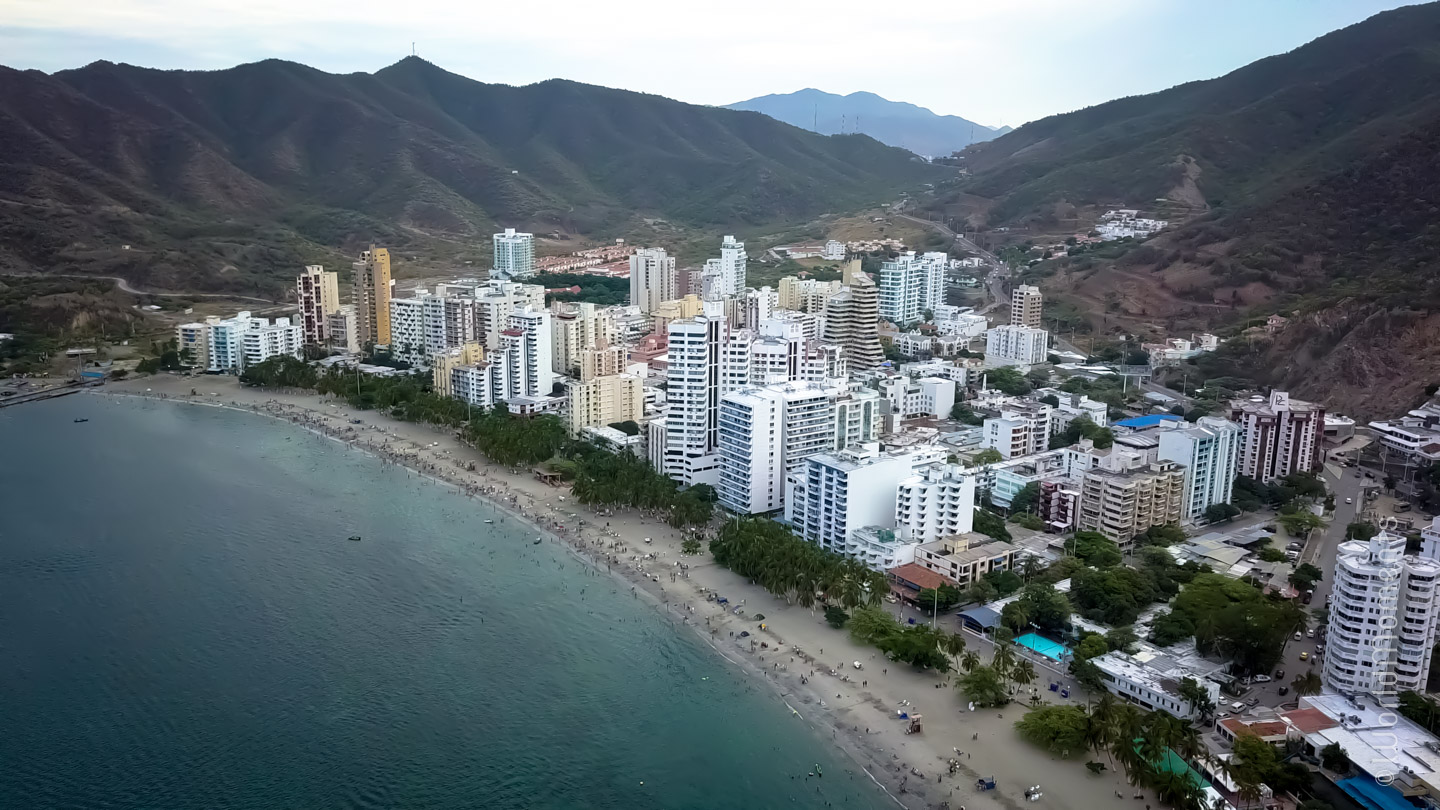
[1123, 501]
[936, 501]
[601, 401]
[520, 368]
[1016, 346]
[910, 286]
[1021, 429]
[1025, 306]
[1279, 436]
[407, 329]
[857, 418]
[495, 302]
[1210, 451]
[836, 494]
[579, 327]
[514, 255]
[693, 392]
[319, 294]
[343, 330]
[652, 278]
[689, 306]
[806, 295]
[754, 307]
[372, 296]
[852, 321]
[766, 433]
[1383, 615]
[233, 344]
[602, 361]
[731, 268]
[444, 362]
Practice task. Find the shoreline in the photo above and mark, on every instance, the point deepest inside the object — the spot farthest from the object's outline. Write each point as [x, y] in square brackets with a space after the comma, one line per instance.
[911, 770]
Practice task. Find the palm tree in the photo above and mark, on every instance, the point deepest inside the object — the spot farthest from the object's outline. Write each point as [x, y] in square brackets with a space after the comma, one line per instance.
[1307, 684]
[953, 645]
[969, 660]
[1023, 673]
[1128, 727]
[1100, 727]
[1003, 654]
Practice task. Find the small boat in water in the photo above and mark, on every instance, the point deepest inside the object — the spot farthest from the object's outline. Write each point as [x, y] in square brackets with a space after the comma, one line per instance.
[489, 521]
[355, 537]
[537, 541]
[77, 421]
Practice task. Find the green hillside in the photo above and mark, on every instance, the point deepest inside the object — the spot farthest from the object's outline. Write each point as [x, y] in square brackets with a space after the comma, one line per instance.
[228, 180]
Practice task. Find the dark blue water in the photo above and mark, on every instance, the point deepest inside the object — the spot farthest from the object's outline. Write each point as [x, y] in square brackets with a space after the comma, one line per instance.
[183, 623]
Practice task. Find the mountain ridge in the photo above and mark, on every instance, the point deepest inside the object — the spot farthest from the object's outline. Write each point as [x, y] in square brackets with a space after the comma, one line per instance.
[898, 123]
[186, 164]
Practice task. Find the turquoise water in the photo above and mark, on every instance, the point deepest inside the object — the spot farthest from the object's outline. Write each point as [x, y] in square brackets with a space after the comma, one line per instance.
[183, 623]
[1050, 649]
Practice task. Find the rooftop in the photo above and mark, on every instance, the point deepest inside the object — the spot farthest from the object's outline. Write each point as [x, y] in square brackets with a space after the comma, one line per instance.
[1140, 422]
[919, 576]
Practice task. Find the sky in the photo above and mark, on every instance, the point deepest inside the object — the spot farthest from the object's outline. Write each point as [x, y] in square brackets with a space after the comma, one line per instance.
[991, 61]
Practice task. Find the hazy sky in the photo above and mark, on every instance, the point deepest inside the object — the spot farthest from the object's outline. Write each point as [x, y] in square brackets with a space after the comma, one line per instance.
[993, 61]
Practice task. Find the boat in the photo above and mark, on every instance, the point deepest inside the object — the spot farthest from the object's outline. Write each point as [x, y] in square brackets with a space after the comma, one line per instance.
[489, 521]
[355, 537]
[537, 541]
[81, 420]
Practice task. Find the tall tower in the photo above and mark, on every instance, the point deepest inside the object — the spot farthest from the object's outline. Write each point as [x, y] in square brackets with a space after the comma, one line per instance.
[1025, 306]
[514, 255]
[652, 278]
[852, 320]
[732, 265]
[372, 296]
[319, 294]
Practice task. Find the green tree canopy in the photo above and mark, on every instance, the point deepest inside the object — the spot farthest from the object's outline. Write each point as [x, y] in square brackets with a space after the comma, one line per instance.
[1060, 730]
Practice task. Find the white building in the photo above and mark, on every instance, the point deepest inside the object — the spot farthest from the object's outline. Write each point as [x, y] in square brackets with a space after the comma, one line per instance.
[836, 494]
[1071, 407]
[910, 286]
[514, 255]
[1127, 222]
[1280, 436]
[834, 251]
[729, 270]
[494, 303]
[579, 328]
[766, 433]
[520, 369]
[407, 329]
[937, 501]
[342, 329]
[1152, 680]
[1015, 346]
[857, 418]
[1383, 615]
[689, 453]
[806, 295]
[962, 322]
[652, 278]
[927, 396]
[1021, 429]
[1025, 303]
[1210, 451]
[231, 344]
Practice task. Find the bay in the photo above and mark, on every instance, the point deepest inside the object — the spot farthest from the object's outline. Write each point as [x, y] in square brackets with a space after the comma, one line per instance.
[184, 623]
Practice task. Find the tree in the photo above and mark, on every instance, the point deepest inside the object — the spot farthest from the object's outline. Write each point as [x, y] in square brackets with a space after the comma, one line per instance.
[1271, 554]
[962, 413]
[1217, 512]
[1092, 646]
[1333, 758]
[939, 599]
[985, 457]
[1007, 380]
[1304, 577]
[1361, 530]
[690, 546]
[989, 523]
[1095, 549]
[1307, 684]
[1051, 400]
[1300, 524]
[1121, 638]
[1045, 607]
[981, 592]
[1023, 673]
[1005, 581]
[1025, 520]
[1025, 498]
[1198, 697]
[1165, 535]
[836, 616]
[1060, 730]
[983, 686]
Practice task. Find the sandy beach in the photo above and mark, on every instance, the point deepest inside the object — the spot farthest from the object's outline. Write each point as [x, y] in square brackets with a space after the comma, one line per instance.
[806, 661]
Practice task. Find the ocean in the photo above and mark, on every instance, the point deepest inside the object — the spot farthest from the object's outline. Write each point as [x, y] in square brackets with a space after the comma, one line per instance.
[184, 623]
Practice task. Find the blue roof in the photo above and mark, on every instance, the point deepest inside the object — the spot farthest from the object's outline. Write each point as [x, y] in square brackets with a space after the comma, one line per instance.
[983, 617]
[1148, 421]
[1373, 795]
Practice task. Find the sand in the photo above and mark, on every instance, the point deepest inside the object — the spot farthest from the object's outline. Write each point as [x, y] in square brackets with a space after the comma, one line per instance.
[857, 709]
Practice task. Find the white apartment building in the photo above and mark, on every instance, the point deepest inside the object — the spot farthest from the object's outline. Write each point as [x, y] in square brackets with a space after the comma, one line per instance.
[1210, 452]
[927, 396]
[407, 329]
[857, 418]
[836, 494]
[728, 271]
[514, 255]
[319, 295]
[937, 501]
[754, 307]
[1025, 306]
[342, 329]
[519, 369]
[1279, 436]
[834, 251]
[910, 286]
[1021, 429]
[1071, 407]
[1415, 436]
[689, 452]
[766, 433]
[962, 322]
[231, 344]
[601, 401]
[652, 278]
[1383, 615]
[1011, 345]
[494, 303]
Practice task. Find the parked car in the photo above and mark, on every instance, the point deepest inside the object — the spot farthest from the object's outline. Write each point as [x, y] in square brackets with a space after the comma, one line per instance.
[1349, 500]
[1304, 656]
[1284, 690]
[1262, 679]
[1237, 707]
[1310, 633]
[1298, 635]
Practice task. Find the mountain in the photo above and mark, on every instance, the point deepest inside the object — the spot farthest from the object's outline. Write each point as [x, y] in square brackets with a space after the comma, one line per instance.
[1304, 183]
[231, 179]
[894, 122]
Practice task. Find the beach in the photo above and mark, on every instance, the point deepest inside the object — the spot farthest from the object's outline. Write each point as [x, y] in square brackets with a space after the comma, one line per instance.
[808, 663]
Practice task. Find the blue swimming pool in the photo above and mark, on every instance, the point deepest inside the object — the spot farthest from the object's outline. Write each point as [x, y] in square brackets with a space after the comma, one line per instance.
[1053, 650]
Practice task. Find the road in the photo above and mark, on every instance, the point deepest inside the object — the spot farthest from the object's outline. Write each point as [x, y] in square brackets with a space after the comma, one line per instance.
[125, 287]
